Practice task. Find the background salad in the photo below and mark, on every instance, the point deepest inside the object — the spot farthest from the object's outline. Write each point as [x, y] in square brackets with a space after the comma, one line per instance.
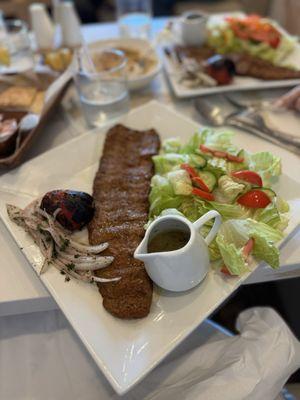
[253, 35]
[209, 172]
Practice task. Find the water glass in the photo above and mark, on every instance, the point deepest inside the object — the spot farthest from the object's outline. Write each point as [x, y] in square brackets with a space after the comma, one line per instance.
[134, 18]
[17, 31]
[14, 40]
[4, 44]
[102, 87]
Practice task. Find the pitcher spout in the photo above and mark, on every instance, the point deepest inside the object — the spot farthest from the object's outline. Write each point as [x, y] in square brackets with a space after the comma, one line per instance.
[141, 252]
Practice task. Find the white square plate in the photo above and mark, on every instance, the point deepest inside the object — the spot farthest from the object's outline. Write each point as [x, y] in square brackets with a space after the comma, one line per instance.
[125, 351]
[239, 82]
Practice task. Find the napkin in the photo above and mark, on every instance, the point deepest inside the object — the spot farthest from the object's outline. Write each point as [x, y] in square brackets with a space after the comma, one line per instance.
[251, 366]
[287, 122]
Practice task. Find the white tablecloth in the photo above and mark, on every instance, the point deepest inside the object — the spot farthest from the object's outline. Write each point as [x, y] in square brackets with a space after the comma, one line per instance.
[41, 358]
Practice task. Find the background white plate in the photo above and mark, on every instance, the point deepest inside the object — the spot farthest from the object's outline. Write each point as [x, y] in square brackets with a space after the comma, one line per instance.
[239, 82]
[124, 350]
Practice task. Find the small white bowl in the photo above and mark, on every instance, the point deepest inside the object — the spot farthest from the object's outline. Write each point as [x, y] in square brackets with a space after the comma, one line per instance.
[141, 81]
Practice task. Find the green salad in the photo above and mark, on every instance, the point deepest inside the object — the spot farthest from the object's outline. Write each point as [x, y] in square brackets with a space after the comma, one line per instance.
[210, 173]
[253, 35]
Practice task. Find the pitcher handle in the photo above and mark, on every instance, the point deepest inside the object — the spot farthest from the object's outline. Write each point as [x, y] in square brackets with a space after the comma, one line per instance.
[214, 230]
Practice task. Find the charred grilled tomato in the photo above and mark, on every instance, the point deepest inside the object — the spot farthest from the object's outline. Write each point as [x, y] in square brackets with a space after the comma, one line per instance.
[220, 68]
[73, 209]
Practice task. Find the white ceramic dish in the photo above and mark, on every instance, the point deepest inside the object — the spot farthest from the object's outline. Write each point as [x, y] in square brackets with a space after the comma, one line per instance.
[141, 45]
[125, 351]
[193, 27]
[165, 268]
[238, 83]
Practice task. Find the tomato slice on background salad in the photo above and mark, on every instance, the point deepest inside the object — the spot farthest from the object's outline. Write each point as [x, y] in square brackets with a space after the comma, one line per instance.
[255, 198]
[248, 176]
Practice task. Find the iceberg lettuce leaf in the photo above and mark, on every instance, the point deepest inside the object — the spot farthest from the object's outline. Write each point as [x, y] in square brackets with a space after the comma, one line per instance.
[165, 163]
[266, 165]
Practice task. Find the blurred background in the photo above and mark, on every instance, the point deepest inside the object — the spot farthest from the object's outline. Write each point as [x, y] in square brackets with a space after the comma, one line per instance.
[284, 11]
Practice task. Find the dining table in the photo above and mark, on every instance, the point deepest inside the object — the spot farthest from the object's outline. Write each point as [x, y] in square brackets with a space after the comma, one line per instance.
[32, 327]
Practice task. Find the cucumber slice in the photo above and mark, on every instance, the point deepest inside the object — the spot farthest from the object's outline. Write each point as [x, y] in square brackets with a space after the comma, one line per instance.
[209, 179]
[241, 154]
[197, 161]
[269, 192]
[233, 166]
[200, 153]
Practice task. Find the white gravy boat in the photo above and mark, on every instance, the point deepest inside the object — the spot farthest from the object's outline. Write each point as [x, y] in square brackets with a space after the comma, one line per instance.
[181, 269]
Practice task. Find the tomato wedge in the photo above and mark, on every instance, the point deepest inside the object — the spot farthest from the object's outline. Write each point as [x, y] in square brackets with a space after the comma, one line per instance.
[231, 157]
[274, 42]
[205, 149]
[248, 176]
[204, 195]
[246, 251]
[220, 154]
[190, 170]
[200, 183]
[248, 248]
[255, 198]
[225, 270]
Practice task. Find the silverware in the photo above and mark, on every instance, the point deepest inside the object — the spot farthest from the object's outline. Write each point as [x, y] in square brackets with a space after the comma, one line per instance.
[215, 115]
[247, 121]
[252, 112]
[251, 105]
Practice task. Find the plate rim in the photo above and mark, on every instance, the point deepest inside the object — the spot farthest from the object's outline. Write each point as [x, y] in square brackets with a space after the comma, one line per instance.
[202, 91]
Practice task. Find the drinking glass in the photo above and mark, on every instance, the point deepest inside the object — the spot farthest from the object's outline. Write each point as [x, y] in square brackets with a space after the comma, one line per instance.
[134, 18]
[14, 39]
[17, 31]
[102, 86]
[4, 45]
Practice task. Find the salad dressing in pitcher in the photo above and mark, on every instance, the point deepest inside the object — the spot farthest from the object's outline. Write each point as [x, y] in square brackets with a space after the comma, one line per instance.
[168, 241]
[174, 252]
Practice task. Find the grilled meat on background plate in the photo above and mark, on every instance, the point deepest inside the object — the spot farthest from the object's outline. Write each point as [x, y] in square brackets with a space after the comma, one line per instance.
[245, 64]
[255, 67]
[121, 189]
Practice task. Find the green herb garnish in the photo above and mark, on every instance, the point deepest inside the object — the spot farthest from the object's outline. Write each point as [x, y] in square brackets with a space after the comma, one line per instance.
[71, 266]
[65, 244]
